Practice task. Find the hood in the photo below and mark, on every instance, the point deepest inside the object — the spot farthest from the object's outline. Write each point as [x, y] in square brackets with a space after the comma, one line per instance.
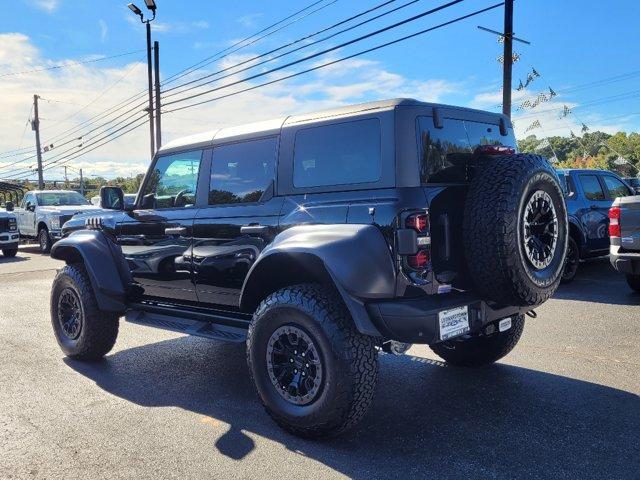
[70, 209]
[7, 214]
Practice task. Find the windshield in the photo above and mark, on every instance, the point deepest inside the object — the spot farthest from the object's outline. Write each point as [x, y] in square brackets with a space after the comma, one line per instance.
[57, 199]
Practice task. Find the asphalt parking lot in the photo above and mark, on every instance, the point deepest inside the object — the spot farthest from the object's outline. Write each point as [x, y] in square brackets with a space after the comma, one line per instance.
[564, 404]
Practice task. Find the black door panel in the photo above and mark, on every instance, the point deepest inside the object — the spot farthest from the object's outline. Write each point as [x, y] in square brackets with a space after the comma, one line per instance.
[156, 245]
[222, 254]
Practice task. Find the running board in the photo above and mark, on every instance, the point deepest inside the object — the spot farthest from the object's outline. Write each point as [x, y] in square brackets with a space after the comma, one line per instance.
[187, 326]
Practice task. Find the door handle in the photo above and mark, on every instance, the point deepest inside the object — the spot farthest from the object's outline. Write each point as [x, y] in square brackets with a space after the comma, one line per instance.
[254, 229]
[175, 230]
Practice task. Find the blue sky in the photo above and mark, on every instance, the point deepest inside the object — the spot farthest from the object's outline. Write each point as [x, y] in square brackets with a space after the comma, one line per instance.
[574, 43]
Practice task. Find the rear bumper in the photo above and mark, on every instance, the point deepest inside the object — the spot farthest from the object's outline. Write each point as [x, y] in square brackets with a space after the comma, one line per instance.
[624, 262]
[416, 320]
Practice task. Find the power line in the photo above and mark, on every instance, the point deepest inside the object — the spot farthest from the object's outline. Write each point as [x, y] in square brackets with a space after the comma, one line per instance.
[318, 54]
[458, 19]
[242, 43]
[130, 100]
[71, 64]
[271, 59]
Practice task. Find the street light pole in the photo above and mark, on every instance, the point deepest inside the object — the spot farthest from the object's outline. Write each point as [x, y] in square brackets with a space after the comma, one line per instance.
[156, 65]
[151, 5]
[150, 76]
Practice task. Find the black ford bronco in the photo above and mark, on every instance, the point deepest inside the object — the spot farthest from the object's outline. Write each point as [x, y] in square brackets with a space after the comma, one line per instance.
[320, 240]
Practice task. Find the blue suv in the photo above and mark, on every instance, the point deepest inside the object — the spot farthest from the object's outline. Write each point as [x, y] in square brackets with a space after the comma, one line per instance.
[589, 195]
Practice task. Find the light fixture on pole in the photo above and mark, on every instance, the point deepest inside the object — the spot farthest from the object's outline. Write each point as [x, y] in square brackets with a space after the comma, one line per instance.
[151, 5]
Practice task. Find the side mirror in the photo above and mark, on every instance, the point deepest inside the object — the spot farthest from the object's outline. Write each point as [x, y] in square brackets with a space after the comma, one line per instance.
[149, 202]
[31, 207]
[9, 206]
[112, 198]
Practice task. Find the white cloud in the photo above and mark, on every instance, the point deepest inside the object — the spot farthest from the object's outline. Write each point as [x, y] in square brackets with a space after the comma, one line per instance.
[249, 21]
[46, 5]
[104, 30]
[348, 82]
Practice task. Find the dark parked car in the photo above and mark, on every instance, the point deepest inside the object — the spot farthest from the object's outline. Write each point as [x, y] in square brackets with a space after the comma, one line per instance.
[589, 195]
[319, 239]
[624, 230]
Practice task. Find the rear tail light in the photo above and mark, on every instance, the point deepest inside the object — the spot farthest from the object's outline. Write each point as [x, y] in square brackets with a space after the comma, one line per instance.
[419, 261]
[418, 222]
[614, 222]
[494, 150]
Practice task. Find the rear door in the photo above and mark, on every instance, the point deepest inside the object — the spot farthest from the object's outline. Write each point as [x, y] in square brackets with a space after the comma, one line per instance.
[156, 240]
[240, 219]
[595, 214]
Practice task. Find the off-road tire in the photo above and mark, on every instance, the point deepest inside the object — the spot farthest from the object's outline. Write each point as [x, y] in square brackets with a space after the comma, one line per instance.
[44, 240]
[634, 282]
[99, 329]
[493, 239]
[349, 360]
[10, 252]
[481, 350]
[572, 262]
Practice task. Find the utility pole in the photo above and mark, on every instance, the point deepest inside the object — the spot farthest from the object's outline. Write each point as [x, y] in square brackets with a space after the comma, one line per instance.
[508, 58]
[66, 179]
[150, 75]
[156, 64]
[81, 184]
[35, 126]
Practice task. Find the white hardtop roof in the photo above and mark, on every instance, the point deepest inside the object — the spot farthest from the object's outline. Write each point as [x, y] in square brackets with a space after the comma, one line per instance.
[206, 139]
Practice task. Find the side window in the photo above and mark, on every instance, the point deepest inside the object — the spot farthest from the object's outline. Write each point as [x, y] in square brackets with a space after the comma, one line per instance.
[338, 154]
[616, 187]
[173, 180]
[241, 172]
[29, 197]
[591, 187]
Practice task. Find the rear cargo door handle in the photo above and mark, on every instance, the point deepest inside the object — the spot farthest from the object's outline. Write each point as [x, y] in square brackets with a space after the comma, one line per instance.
[254, 229]
[175, 230]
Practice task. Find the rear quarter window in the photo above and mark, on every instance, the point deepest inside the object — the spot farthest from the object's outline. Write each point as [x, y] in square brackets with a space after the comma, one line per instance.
[338, 154]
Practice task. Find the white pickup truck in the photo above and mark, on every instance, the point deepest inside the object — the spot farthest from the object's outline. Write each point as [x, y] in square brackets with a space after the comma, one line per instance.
[43, 212]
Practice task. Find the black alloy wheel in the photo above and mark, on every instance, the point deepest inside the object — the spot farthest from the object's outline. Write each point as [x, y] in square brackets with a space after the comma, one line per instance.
[572, 262]
[294, 365]
[540, 223]
[70, 315]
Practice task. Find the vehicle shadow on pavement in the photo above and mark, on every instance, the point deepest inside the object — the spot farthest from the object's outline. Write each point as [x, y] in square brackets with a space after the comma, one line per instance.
[598, 282]
[16, 259]
[428, 420]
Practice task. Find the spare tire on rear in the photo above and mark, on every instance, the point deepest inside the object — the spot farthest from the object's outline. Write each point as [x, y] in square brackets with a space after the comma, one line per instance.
[515, 229]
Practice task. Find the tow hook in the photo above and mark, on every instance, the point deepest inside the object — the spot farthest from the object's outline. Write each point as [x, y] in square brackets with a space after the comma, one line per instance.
[395, 348]
[532, 314]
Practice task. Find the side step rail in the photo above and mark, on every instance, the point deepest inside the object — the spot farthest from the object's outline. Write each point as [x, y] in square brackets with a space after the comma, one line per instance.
[187, 326]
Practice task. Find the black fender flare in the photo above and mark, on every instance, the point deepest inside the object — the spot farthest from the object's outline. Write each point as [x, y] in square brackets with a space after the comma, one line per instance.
[356, 259]
[104, 262]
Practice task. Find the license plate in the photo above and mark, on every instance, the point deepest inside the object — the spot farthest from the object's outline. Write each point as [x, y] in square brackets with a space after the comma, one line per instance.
[453, 322]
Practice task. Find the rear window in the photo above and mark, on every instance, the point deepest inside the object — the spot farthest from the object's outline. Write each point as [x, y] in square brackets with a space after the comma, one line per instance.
[338, 154]
[445, 153]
